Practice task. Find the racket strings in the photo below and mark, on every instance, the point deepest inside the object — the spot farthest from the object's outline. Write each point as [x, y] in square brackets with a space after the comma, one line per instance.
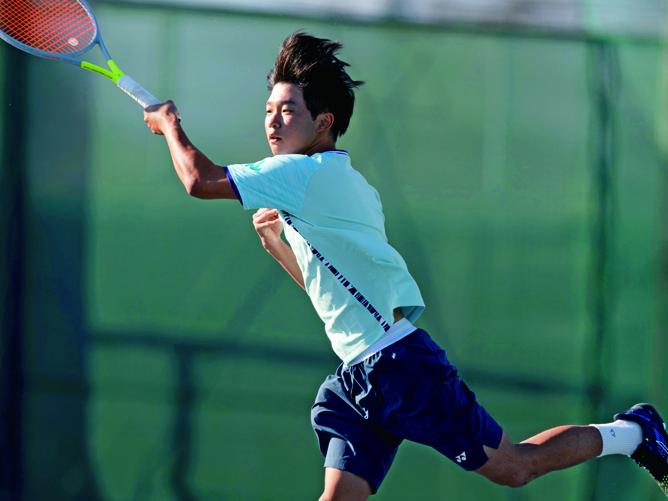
[57, 27]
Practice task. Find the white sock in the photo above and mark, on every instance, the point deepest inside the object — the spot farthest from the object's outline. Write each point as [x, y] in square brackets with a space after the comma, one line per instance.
[620, 437]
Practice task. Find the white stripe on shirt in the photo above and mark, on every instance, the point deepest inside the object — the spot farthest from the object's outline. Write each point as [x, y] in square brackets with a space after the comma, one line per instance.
[397, 332]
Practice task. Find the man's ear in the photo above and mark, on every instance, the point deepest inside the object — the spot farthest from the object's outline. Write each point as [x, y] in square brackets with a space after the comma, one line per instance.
[325, 122]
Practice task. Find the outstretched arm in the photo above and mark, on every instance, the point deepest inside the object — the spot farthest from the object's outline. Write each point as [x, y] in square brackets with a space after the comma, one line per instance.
[269, 227]
[200, 176]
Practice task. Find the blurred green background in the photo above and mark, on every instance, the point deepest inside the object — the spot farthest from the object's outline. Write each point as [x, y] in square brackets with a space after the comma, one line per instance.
[152, 350]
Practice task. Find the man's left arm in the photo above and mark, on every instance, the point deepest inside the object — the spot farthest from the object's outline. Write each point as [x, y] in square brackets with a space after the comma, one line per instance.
[269, 228]
[199, 175]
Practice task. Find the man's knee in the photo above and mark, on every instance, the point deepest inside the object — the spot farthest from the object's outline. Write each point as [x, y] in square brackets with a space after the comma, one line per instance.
[506, 466]
[514, 480]
[509, 475]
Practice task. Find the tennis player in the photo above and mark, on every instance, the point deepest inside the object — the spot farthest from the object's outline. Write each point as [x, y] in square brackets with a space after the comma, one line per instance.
[395, 383]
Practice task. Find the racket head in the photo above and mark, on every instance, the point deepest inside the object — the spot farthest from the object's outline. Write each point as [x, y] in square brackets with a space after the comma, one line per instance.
[54, 29]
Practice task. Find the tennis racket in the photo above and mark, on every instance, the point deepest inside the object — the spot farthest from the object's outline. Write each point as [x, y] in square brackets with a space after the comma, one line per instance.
[63, 30]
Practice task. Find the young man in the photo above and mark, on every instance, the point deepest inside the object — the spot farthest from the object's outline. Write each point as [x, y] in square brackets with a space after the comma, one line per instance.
[394, 383]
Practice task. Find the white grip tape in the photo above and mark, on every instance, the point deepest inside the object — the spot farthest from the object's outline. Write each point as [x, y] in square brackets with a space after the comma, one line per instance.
[137, 92]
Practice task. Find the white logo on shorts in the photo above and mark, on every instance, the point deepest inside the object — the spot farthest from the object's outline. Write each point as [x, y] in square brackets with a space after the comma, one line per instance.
[461, 457]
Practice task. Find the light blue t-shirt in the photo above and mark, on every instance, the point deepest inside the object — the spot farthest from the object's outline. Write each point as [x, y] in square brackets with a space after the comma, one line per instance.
[334, 222]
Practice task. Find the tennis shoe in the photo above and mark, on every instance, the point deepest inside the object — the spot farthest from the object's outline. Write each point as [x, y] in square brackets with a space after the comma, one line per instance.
[652, 453]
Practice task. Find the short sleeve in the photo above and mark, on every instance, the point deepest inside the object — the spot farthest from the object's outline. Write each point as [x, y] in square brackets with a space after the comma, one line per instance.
[277, 182]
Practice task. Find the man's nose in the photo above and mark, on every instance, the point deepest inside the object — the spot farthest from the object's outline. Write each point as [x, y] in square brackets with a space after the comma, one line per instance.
[273, 121]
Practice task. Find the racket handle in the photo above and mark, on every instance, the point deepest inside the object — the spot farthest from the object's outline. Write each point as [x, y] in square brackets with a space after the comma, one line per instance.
[138, 93]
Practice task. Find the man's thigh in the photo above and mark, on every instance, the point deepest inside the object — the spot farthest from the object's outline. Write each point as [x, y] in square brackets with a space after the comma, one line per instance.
[422, 399]
[347, 440]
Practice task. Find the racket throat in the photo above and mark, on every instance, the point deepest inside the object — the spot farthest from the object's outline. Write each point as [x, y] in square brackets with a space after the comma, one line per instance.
[112, 75]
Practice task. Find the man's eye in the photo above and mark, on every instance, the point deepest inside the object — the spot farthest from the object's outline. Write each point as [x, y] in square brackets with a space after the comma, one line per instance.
[287, 111]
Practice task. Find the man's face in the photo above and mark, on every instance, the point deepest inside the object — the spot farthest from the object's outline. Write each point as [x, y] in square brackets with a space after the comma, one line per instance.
[289, 126]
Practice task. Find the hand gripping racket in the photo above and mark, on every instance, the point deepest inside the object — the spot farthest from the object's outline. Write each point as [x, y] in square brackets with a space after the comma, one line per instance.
[62, 30]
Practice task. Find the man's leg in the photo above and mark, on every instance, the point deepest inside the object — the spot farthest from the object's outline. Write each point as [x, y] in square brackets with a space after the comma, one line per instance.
[639, 433]
[515, 465]
[344, 486]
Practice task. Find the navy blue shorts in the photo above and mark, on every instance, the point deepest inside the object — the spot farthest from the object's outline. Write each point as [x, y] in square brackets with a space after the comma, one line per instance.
[408, 391]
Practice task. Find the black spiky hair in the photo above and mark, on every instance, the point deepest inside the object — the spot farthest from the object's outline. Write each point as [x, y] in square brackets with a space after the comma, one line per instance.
[311, 64]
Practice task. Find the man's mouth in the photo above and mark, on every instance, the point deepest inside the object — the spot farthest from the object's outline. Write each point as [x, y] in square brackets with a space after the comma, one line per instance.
[274, 139]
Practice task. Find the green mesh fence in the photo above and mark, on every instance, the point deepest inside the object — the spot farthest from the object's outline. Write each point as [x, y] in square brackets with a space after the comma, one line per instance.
[169, 358]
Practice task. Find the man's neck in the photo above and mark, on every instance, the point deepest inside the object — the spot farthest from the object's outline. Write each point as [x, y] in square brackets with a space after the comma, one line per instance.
[321, 147]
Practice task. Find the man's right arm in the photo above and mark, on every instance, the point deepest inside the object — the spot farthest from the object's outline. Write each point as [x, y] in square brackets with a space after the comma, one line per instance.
[269, 227]
[199, 175]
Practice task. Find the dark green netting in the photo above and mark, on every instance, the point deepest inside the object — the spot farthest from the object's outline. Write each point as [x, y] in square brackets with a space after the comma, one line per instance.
[169, 358]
